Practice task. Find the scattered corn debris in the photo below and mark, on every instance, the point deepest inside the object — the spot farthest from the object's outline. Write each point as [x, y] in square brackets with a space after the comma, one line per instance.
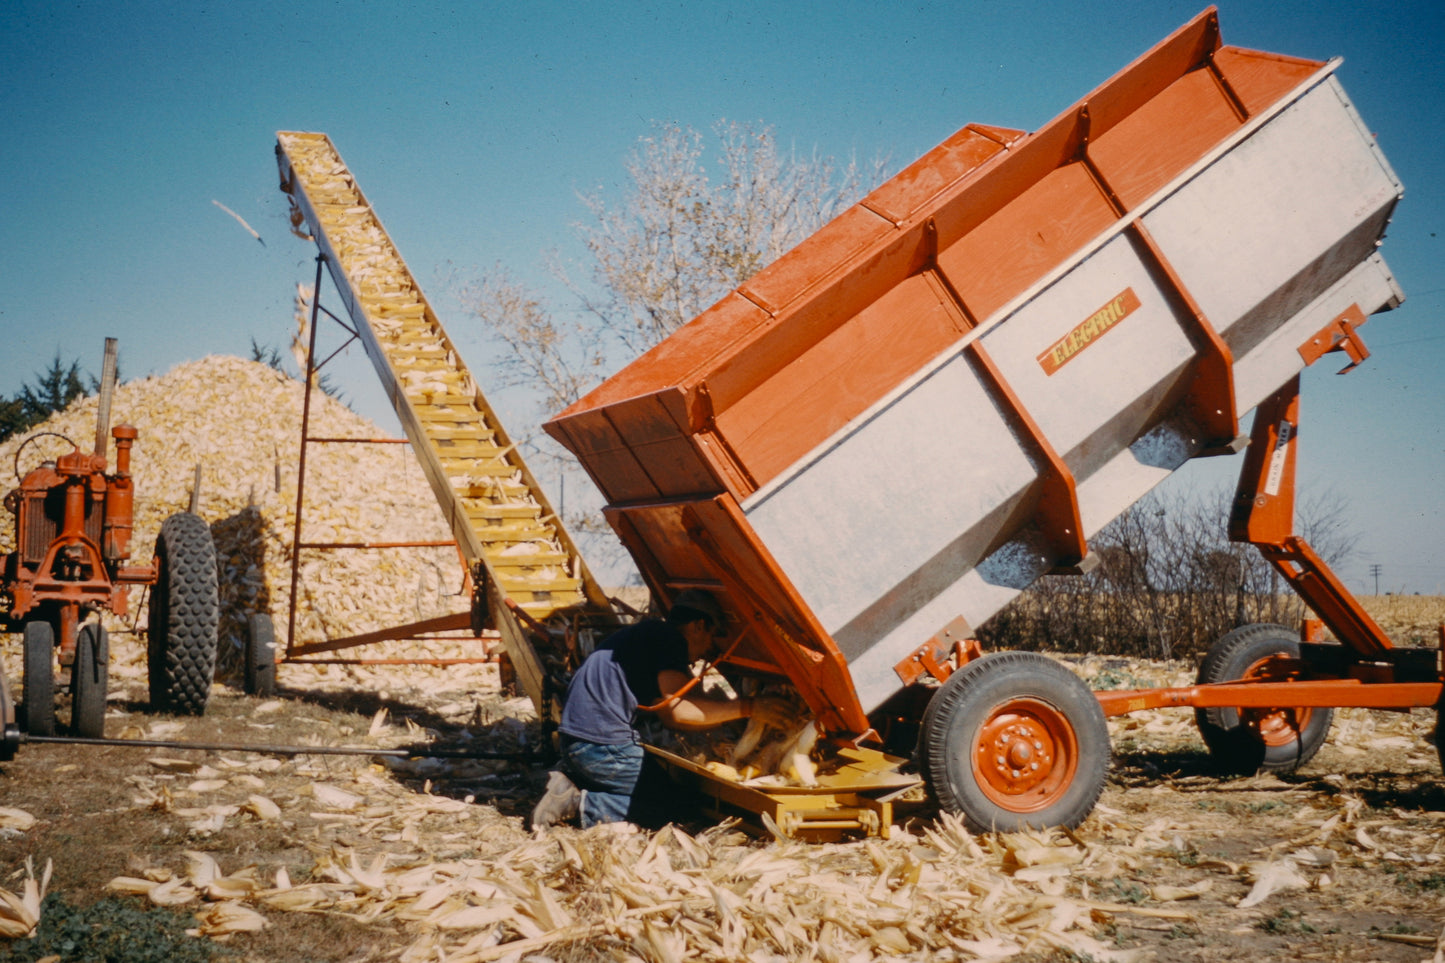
[20, 914]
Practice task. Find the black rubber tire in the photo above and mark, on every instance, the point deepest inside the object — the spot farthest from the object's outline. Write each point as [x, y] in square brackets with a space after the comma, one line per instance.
[88, 681]
[260, 674]
[184, 613]
[1245, 742]
[39, 691]
[1440, 733]
[1013, 741]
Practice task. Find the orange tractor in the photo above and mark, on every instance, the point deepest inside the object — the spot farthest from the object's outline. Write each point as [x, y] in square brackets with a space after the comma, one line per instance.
[73, 523]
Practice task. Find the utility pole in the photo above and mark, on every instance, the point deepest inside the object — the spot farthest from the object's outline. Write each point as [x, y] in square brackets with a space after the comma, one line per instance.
[1375, 571]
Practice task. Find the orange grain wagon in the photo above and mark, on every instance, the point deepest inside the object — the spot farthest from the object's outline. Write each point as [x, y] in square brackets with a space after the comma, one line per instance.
[874, 444]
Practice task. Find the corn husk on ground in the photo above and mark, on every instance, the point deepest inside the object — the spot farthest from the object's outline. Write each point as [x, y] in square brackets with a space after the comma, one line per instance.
[675, 896]
[931, 891]
[408, 848]
[20, 912]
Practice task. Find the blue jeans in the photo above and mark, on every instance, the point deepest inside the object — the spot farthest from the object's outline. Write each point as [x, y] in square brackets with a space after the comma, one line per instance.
[607, 776]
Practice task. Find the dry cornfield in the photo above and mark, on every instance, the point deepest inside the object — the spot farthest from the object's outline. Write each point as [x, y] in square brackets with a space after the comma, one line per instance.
[1412, 620]
[1066, 616]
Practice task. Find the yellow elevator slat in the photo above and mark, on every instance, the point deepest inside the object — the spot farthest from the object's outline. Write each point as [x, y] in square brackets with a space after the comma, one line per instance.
[498, 513]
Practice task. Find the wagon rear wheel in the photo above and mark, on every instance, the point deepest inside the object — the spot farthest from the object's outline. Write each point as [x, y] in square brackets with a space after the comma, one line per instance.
[88, 681]
[39, 689]
[184, 611]
[1440, 733]
[1015, 740]
[260, 672]
[1244, 741]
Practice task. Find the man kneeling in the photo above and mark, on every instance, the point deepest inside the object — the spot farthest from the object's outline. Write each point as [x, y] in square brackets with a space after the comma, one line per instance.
[644, 667]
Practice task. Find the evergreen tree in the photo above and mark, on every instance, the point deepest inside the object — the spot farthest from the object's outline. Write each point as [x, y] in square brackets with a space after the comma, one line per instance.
[51, 391]
[12, 417]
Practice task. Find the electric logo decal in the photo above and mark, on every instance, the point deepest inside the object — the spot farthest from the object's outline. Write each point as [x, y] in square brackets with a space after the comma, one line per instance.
[1277, 459]
[1062, 351]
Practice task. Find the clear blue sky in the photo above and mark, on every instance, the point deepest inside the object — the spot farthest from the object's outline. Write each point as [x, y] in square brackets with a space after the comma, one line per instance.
[471, 126]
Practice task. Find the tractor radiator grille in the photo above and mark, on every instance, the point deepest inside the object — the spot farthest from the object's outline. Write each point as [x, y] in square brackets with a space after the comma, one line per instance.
[40, 519]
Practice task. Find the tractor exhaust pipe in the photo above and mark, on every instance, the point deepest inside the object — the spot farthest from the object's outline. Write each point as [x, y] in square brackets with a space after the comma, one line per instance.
[107, 389]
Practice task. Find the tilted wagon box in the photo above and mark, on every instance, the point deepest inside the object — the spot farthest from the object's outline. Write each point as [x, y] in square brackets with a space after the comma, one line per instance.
[874, 444]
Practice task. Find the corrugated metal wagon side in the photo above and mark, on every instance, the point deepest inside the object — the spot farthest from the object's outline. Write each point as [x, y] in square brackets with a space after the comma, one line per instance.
[878, 441]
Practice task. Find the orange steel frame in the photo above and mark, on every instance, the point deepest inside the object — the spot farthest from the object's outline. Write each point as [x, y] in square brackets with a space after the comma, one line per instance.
[1366, 671]
[416, 631]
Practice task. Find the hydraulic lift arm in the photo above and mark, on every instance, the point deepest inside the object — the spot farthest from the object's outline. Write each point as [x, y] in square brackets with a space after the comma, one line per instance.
[1369, 671]
[1263, 516]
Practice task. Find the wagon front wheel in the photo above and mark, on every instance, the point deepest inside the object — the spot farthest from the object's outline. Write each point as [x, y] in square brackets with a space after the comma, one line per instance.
[1015, 740]
[1246, 741]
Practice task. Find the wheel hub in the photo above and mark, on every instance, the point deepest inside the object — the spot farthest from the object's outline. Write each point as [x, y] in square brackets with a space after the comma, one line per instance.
[1276, 726]
[1025, 755]
[1016, 752]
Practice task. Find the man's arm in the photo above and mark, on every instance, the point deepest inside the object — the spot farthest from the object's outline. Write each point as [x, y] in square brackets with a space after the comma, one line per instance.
[696, 712]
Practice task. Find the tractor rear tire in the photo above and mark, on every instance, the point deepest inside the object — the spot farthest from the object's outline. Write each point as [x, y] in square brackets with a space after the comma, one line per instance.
[260, 674]
[39, 688]
[1015, 740]
[184, 613]
[88, 682]
[1247, 741]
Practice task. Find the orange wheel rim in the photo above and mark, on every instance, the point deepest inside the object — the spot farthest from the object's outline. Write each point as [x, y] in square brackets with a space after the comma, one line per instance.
[1026, 755]
[1276, 726]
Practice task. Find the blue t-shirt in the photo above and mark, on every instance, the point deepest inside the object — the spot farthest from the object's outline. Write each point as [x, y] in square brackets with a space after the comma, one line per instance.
[603, 696]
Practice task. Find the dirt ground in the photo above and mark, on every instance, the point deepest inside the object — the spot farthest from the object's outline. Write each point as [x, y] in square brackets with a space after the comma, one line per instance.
[354, 858]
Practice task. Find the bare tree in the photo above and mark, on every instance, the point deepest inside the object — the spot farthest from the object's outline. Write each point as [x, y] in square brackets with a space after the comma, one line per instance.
[1170, 582]
[556, 361]
[685, 234]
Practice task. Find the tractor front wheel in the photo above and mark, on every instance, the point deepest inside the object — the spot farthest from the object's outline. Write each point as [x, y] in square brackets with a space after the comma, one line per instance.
[88, 681]
[39, 691]
[1246, 741]
[1014, 740]
[184, 612]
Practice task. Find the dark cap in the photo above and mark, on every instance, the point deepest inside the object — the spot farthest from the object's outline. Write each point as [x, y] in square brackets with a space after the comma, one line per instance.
[691, 604]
